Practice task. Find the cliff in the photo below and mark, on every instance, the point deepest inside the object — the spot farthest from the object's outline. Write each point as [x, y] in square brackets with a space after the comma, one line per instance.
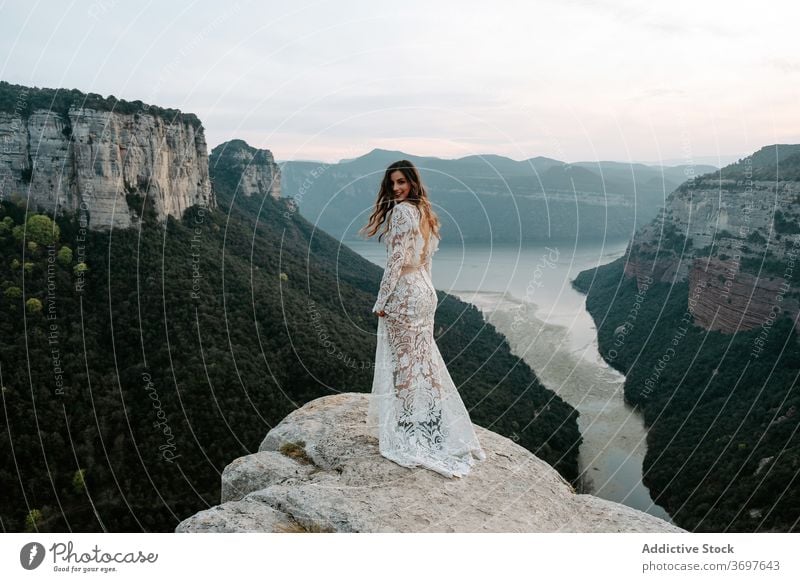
[319, 470]
[733, 236]
[65, 150]
[248, 172]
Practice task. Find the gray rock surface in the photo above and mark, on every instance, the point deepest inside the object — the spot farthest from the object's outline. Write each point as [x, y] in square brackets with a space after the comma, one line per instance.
[319, 470]
[733, 241]
[91, 160]
[259, 175]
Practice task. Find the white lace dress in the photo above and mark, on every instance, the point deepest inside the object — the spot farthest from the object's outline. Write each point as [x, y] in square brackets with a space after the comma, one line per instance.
[415, 410]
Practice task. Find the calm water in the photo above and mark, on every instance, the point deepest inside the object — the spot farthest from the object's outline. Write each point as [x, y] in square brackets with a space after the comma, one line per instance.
[525, 293]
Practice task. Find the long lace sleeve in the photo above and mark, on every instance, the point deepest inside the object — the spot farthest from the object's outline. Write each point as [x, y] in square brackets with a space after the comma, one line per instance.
[401, 248]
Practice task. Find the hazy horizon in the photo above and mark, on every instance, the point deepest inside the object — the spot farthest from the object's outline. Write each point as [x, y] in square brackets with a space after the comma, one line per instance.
[666, 83]
[697, 160]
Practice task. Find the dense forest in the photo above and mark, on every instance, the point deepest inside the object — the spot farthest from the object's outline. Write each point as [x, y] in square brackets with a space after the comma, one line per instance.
[136, 364]
[723, 451]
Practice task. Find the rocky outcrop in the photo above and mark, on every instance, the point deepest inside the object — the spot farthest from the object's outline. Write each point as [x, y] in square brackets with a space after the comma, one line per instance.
[255, 171]
[730, 300]
[103, 162]
[734, 239]
[647, 270]
[319, 470]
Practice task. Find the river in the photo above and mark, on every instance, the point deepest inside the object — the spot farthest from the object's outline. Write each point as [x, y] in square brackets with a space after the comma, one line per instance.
[525, 292]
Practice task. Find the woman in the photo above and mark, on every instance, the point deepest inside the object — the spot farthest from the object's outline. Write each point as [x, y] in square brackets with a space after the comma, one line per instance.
[415, 410]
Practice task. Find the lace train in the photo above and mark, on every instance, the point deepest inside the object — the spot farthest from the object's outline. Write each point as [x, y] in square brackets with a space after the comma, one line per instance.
[425, 425]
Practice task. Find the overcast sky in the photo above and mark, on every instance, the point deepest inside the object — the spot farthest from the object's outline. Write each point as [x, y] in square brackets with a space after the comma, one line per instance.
[682, 81]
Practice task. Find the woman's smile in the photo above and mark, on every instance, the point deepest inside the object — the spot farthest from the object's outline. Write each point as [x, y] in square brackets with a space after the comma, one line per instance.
[400, 185]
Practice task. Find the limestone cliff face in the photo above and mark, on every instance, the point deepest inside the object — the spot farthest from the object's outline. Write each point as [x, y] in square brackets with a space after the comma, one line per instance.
[318, 470]
[728, 299]
[93, 159]
[251, 172]
[735, 240]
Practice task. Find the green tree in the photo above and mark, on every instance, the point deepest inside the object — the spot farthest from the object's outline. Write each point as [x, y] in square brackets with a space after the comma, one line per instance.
[13, 293]
[78, 482]
[65, 256]
[33, 520]
[33, 305]
[42, 230]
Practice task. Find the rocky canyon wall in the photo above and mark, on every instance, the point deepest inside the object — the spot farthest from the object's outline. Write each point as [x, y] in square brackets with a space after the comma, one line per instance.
[94, 160]
[734, 240]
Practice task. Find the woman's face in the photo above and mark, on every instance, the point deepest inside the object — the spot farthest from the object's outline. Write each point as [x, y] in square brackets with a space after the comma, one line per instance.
[400, 186]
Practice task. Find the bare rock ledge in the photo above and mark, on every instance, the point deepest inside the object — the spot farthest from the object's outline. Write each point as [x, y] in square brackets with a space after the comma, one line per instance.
[318, 470]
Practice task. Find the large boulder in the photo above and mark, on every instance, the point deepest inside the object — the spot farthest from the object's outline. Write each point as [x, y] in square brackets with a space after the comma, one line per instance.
[319, 470]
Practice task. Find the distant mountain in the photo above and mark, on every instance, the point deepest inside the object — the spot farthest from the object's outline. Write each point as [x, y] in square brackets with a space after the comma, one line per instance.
[661, 178]
[716, 161]
[482, 198]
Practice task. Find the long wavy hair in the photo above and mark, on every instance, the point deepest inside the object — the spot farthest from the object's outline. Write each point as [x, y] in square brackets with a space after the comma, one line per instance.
[385, 202]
